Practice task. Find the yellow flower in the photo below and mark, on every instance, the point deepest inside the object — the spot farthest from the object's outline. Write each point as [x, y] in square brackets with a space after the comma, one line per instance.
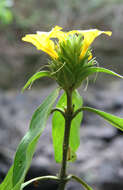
[89, 37]
[44, 40]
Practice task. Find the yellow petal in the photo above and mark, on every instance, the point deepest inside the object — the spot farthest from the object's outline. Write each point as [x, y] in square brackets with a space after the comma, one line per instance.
[57, 33]
[54, 33]
[50, 33]
[42, 42]
[89, 37]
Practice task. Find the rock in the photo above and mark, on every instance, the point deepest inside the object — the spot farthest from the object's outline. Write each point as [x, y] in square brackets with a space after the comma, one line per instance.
[105, 133]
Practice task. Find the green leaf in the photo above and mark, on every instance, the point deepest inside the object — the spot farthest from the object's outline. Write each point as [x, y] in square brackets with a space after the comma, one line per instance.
[35, 77]
[112, 119]
[89, 71]
[58, 123]
[7, 183]
[28, 144]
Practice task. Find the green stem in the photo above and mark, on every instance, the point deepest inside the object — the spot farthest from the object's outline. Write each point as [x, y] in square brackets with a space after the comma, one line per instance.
[42, 178]
[68, 119]
[77, 111]
[58, 109]
[79, 180]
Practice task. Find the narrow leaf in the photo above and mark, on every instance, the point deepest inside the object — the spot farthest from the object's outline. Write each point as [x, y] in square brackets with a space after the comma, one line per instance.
[28, 144]
[58, 123]
[36, 76]
[7, 183]
[91, 70]
[112, 119]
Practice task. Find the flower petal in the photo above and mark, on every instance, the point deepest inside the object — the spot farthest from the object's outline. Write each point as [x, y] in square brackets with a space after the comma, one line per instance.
[42, 42]
[89, 37]
[57, 33]
[54, 33]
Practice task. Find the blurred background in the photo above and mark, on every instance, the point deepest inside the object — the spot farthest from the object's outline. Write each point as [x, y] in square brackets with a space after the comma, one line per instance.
[100, 156]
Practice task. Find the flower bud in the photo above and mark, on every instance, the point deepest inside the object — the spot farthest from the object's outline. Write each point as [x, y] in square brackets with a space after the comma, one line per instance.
[67, 69]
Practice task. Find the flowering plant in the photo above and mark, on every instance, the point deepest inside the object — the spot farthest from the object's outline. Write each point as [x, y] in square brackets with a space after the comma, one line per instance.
[70, 64]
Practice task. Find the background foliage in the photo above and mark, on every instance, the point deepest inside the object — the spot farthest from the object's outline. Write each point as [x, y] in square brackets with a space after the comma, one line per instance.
[6, 15]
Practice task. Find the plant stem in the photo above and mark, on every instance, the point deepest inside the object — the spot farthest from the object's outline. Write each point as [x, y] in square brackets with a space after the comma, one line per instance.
[79, 180]
[68, 119]
[42, 178]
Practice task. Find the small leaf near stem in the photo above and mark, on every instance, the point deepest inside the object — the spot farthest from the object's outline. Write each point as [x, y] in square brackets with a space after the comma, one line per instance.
[36, 76]
[112, 119]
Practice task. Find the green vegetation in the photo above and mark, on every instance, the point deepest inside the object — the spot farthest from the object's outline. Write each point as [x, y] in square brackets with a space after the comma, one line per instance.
[6, 16]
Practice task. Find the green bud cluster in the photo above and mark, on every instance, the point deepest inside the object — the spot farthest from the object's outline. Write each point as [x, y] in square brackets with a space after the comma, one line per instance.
[69, 69]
